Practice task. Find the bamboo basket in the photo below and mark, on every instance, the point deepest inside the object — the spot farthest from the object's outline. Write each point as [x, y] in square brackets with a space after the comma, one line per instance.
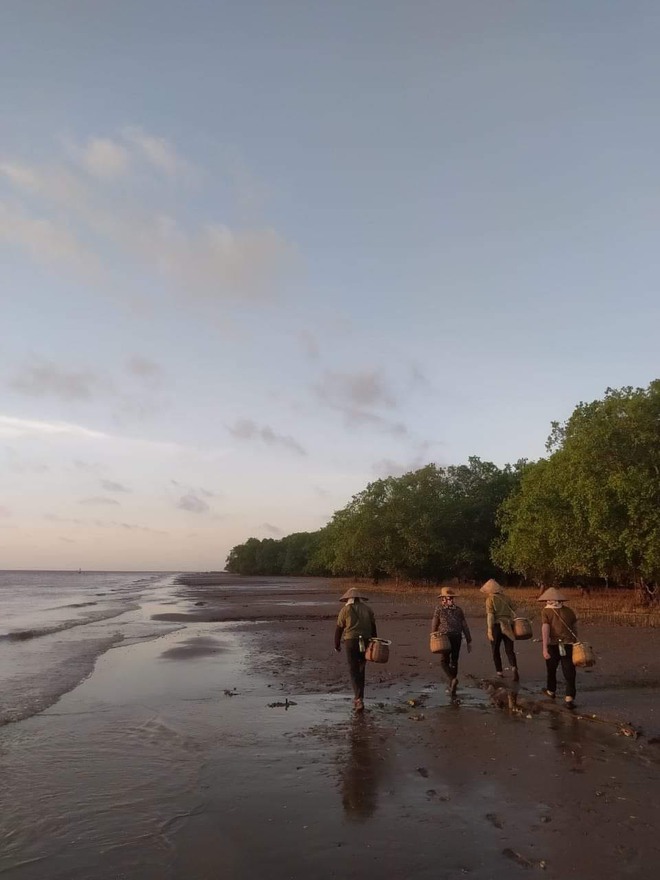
[378, 650]
[522, 629]
[439, 642]
[583, 655]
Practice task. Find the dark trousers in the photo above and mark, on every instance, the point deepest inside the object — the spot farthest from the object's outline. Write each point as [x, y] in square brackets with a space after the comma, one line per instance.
[356, 665]
[567, 667]
[449, 659]
[498, 639]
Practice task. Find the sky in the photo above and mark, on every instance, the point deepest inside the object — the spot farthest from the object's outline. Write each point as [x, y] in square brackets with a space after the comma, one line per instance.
[255, 255]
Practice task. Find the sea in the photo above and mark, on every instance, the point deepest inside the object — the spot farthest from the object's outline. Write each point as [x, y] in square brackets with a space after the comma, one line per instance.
[54, 625]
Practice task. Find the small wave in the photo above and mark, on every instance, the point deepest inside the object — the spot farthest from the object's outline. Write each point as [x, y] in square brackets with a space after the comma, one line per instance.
[22, 635]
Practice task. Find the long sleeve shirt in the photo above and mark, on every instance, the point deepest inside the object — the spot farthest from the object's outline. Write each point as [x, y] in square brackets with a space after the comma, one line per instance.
[354, 621]
[450, 620]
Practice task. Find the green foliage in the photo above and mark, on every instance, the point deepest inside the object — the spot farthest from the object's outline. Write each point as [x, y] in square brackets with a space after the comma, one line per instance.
[295, 554]
[432, 523]
[592, 508]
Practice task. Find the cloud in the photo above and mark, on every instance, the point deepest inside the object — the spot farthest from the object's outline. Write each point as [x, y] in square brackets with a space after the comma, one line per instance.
[45, 240]
[157, 152]
[387, 467]
[45, 379]
[193, 504]
[273, 530]
[89, 467]
[359, 390]
[358, 396]
[111, 486]
[4, 512]
[16, 427]
[102, 524]
[62, 207]
[98, 500]
[143, 368]
[104, 158]
[246, 429]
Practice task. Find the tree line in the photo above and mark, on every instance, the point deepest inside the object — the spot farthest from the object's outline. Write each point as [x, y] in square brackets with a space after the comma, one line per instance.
[587, 512]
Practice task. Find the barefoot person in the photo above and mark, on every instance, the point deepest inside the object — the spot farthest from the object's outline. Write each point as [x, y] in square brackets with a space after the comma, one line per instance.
[559, 634]
[356, 624]
[499, 622]
[449, 620]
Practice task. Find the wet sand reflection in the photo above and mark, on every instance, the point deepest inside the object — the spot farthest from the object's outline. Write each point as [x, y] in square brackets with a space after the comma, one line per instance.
[362, 769]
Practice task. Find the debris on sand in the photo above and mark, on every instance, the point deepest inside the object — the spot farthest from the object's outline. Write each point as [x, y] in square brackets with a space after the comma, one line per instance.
[494, 820]
[420, 717]
[423, 772]
[232, 693]
[523, 861]
[279, 705]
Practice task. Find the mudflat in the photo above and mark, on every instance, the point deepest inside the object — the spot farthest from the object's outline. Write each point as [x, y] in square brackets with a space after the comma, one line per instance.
[229, 748]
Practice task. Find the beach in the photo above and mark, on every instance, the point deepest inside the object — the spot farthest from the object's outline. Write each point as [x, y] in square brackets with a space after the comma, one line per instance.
[213, 736]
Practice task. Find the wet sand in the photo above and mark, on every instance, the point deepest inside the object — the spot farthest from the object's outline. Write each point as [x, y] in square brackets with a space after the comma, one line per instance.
[228, 749]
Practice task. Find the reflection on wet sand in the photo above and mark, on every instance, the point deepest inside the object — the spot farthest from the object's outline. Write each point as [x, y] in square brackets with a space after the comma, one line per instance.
[361, 770]
[568, 736]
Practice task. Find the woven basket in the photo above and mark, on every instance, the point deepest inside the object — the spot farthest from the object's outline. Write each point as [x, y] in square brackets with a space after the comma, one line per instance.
[439, 642]
[583, 654]
[378, 650]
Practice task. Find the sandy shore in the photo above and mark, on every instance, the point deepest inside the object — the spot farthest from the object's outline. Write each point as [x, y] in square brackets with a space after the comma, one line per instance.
[228, 749]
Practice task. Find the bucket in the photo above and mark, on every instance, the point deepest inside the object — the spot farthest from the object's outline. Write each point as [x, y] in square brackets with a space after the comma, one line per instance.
[522, 629]
[378, 650]
[583, 654]
[439, 643]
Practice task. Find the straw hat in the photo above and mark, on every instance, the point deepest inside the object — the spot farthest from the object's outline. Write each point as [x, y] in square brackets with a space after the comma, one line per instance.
[353, 593]
[446, 591]
[551, 595]
[491, 586]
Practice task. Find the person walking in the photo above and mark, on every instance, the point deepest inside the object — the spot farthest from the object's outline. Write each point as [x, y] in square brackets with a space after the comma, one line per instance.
[449, 620]
[558, 634]
[356, 624]
[500, 612]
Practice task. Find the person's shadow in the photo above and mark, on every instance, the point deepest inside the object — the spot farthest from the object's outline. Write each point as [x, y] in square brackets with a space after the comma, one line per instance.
[362, 767]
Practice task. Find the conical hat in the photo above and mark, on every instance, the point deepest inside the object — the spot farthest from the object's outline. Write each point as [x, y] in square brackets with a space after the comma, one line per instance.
[491, 586]
[353, 593]
[446, 591]
[551, 595]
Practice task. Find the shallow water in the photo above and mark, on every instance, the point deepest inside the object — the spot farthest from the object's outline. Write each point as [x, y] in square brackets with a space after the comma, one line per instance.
[56, 624]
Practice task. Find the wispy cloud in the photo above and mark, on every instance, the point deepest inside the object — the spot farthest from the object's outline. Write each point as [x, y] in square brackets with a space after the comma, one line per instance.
[246, 429]
[46, 379]
[112, 486]
[143, 368]
[360, 397]
[388, 467]
[99, 500]
[361, 389]
[71, 215]
[193, 504]
[102, 524]
[104, 158]
[45, 240]
[11, 426]
[4, 512]
[157, 151]
[271, 529]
